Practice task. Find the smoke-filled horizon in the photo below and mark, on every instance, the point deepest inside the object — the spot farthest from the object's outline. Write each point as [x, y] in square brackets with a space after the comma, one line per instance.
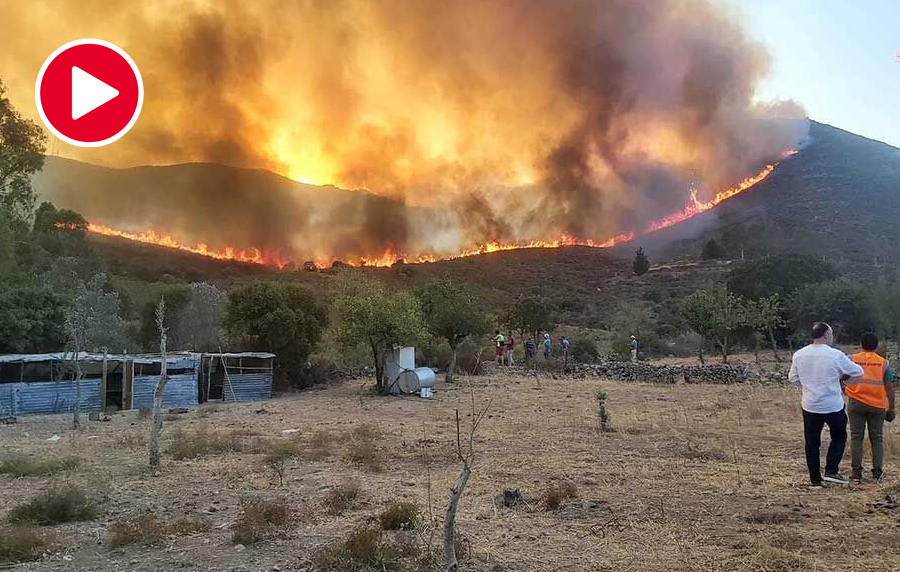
[514, 120]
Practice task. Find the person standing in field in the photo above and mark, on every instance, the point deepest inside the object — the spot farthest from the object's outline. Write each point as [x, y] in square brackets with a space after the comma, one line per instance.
[530, 350]
[546, 346]
[870, 403]
[500, 347]
[820, 370]
[510, 348]
[633, 342]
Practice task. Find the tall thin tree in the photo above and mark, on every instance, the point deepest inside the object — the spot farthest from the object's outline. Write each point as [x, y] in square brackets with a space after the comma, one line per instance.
[157, 421]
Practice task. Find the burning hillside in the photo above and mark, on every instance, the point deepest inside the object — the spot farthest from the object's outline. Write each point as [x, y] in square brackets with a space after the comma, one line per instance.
[390, 257]
[471, 125]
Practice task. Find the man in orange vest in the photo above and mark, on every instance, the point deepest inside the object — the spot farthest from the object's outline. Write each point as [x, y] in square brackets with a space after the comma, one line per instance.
[870, 403]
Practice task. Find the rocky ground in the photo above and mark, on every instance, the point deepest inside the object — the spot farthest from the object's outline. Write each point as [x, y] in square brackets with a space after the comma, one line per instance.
[692, 477]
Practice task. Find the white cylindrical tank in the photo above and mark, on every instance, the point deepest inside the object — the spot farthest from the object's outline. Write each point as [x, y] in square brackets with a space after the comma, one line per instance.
[412, 380]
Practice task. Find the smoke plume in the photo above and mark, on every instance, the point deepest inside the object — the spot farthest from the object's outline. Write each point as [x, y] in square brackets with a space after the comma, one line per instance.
[513, 120]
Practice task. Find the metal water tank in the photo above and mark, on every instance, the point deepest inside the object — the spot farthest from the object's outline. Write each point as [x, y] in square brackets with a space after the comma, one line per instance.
[412, 380]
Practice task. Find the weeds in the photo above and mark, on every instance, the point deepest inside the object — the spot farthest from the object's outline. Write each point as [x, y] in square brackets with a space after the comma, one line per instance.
[361, 448]
[20, 466]
[147, 529]
[363, 549]
[399, 515]
[321, 445]
[21, 544]
[602, 412]
[277, 457]
[559, 493]
[341, 498]
[63, 504]
[198, 443]
[258, 520]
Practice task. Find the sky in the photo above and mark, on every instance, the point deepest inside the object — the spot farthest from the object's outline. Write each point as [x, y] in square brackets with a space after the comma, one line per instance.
[838, 59]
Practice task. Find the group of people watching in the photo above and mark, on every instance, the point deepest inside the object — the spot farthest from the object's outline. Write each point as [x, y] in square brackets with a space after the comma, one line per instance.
[825, 375]
[505, 347]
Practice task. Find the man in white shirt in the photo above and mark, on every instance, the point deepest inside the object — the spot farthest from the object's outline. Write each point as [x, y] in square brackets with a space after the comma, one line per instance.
[819, 370]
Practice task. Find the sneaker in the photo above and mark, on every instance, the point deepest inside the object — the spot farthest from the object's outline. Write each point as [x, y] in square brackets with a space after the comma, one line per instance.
[815, 485]
[836, 478]
[878, 477]
[857, 477]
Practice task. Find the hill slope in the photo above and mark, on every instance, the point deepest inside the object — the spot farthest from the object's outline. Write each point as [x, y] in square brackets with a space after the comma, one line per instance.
[839, 198]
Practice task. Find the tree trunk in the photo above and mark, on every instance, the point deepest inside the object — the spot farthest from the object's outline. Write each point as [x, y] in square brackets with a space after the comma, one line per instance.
[379, 367]
[725, 350]
[76, 408]
[156, 427]
[451, 565]
[452, 367]
[756, 347]
[700, 355]
[774, 345]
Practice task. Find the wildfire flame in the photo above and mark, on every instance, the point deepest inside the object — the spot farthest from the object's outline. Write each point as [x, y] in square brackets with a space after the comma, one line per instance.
[390, 257]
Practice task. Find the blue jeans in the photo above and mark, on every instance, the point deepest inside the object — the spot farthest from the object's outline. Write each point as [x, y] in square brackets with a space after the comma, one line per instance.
[812, 432]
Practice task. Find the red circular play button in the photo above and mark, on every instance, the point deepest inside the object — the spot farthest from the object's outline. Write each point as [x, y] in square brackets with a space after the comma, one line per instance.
[89, 93]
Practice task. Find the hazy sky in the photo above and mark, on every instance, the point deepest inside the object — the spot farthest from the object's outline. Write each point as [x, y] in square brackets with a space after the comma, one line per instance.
[838, 59]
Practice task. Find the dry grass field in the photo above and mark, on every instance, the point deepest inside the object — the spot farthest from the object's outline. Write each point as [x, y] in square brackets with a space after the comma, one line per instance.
[691, 478]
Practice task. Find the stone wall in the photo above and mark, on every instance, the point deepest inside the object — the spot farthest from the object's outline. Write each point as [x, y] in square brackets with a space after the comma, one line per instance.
[653, 373]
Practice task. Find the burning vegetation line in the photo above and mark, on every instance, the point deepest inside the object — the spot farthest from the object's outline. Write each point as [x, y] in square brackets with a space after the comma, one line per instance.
[694, 207]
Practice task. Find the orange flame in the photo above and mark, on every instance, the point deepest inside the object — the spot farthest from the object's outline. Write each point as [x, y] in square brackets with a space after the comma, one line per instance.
[390, 257]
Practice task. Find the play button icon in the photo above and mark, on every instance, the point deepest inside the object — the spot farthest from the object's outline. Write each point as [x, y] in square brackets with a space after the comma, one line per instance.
[89, 93]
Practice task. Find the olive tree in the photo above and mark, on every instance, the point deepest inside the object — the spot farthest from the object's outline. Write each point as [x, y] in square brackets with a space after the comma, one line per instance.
[717, 315]
[368, 312]
[451, 313]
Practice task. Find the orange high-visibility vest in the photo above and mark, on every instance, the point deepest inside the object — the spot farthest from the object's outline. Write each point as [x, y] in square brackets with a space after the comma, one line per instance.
[869, 388]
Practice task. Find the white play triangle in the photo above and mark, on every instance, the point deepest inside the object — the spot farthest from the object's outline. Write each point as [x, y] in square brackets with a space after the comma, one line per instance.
[88, 92]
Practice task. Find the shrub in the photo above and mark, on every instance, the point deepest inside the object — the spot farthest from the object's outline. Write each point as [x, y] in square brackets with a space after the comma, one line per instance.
[147, 529]
[194, 444]
[558, 493]
[363, 549]
[63, 504]
[584, 350]
[361, 449]
[21, 544]
[341, 497]
[278, 455]
[143, 529]
[321, 444]
[20, 466]
[258, 520]
[399, 515]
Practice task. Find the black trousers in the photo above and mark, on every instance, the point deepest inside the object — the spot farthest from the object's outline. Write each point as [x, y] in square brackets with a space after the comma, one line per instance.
[812, 432]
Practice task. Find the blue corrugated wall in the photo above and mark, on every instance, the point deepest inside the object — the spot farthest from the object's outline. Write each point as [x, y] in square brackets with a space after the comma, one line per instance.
[181, 391]
[248, 387]
[45, 397]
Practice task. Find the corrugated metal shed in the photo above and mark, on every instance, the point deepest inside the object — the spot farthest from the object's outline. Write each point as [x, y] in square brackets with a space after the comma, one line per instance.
[45, 397]
[248, 387]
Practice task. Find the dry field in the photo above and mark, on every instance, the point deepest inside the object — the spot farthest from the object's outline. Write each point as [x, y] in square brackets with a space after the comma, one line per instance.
[692, 478]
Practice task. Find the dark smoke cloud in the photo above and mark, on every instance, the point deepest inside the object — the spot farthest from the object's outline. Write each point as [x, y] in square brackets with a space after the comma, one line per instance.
[513, 120]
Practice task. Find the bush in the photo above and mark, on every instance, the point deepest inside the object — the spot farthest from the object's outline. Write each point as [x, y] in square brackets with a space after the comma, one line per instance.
[341, 498]
[21, 544]
[321, 444]
[317, 371]
[142, 529]
[558, 493]
[399, 515]
[258, 520]
[278, 455]
[20, 466]
[361, 448]
[147, 529]
[194, 444]
[63, 504]
[363, 549]
[584, 350]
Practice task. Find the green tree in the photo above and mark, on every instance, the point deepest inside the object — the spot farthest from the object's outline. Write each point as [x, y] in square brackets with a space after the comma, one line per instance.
[452, 313]
[717, 315]
[531, 315]
[847, 306]
[285, 319]
[764, 316]
[782, 275]
[641, 263]
[22, 146]
[200, 322]
[712, 250]
[177, 297]
[370, 313]
[31, 319]
[93, 316]
[584, 350]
